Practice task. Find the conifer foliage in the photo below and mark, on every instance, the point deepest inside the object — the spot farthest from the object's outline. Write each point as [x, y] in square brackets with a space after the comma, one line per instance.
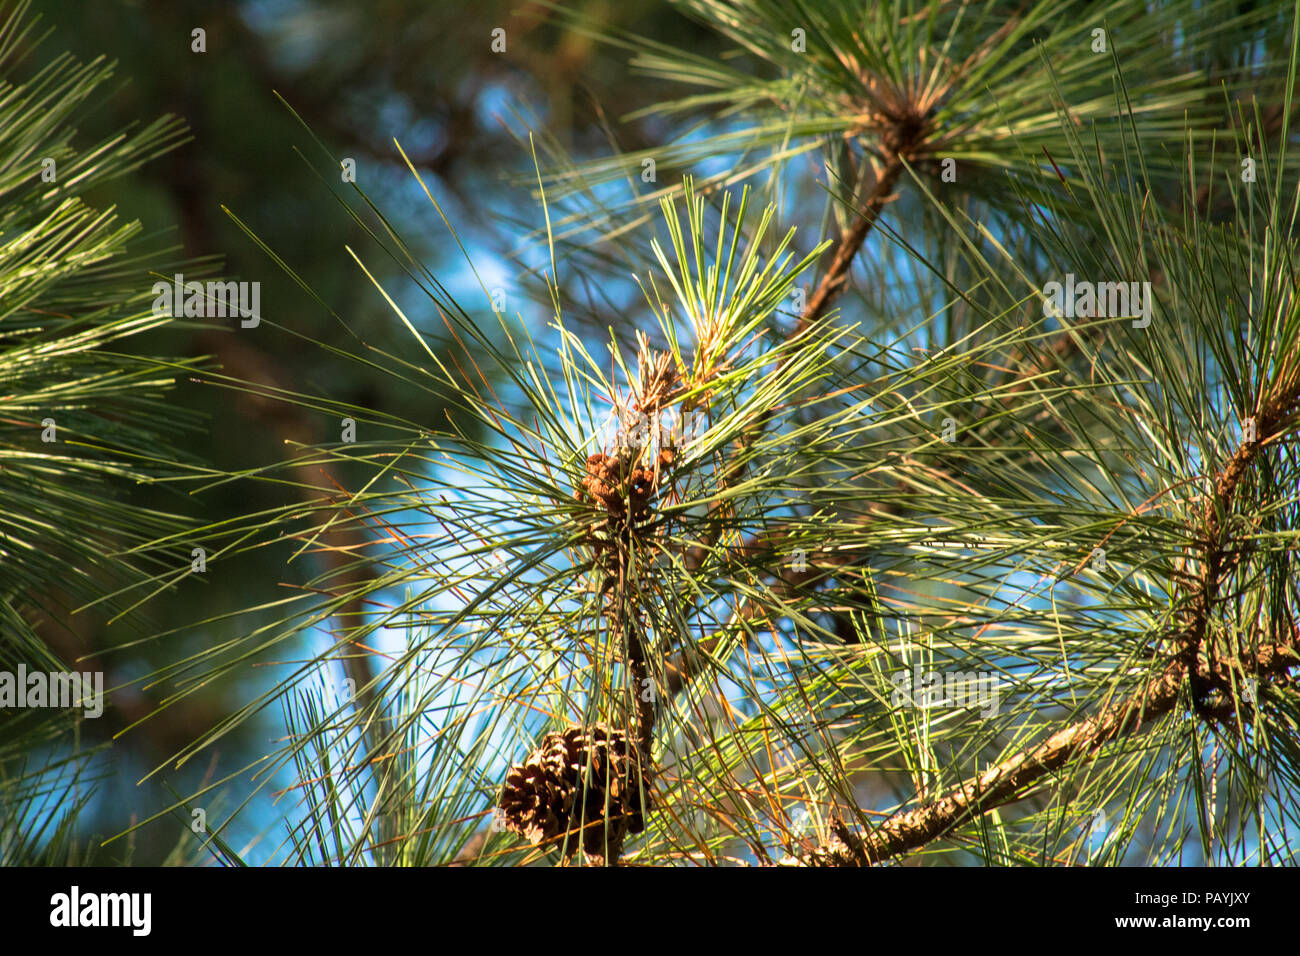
[898, 462]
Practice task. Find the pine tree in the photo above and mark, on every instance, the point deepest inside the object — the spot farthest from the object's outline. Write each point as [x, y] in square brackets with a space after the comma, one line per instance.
[931, 494]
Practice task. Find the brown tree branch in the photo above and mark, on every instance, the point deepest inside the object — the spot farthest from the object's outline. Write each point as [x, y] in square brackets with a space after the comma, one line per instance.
[1007, 782]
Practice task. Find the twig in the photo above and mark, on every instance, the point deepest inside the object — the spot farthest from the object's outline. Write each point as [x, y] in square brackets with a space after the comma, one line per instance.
[1008, 780]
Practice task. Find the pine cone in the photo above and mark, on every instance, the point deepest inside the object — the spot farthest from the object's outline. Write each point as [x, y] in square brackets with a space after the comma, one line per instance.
[604, 476]
[608, 479]
[555, 793]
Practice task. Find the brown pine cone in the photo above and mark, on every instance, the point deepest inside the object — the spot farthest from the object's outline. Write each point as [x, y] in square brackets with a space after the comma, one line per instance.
[554, 794]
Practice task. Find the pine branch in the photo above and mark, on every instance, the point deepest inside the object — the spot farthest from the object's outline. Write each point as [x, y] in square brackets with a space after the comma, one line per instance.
[1008, 781]
[679, 669]
[851, 242]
